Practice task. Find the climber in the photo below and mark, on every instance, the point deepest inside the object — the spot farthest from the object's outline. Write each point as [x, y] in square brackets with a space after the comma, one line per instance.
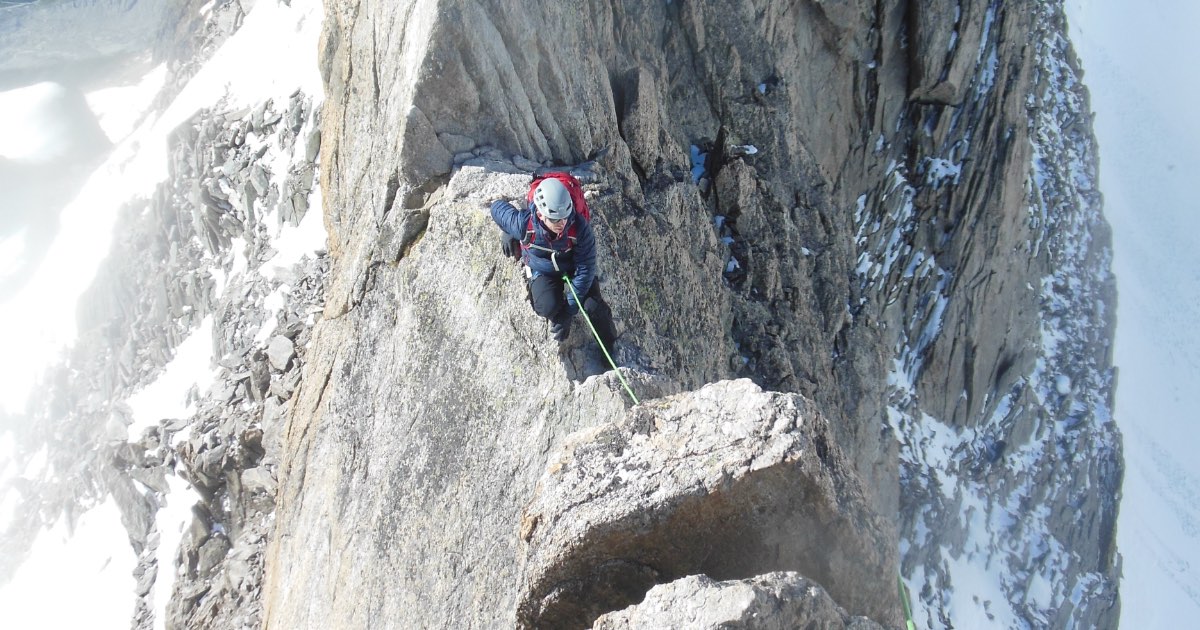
[554, 240]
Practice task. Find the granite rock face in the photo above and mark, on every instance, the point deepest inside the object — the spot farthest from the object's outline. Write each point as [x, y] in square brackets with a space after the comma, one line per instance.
[830, 199]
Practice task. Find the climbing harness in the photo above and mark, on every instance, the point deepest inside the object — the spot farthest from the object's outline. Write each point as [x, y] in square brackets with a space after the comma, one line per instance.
[597, 335]
[528, 243]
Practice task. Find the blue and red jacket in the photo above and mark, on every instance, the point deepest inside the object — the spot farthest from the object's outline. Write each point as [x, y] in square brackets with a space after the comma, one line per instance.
[572, 253]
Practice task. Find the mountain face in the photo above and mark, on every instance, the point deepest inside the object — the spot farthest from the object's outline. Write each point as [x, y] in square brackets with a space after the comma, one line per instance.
[895, 218]
[859, 273]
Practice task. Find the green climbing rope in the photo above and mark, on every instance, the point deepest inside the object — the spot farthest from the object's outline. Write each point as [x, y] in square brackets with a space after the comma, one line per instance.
[597, 336]
[908, 620]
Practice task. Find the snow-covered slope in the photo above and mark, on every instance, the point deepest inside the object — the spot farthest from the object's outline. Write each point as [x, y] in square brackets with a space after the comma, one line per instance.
[92, 486]
[1009, 485]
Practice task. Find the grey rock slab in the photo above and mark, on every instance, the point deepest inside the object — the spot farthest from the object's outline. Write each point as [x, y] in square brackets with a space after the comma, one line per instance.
[241, 567]
[488, 180]
[211, 554]
[232, 168]
[525, 164]
[258, 480]
[260, 180]
[153, 478]
[455, 143]
[280, 352]
[283, 386]
[145, 576]
[271, 117]
[312, 145]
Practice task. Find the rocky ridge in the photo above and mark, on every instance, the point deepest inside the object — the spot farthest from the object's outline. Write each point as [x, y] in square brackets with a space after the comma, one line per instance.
[830, 200]
[241, 195]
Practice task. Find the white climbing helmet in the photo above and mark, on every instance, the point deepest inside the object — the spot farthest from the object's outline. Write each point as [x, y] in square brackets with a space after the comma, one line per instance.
[553, 200]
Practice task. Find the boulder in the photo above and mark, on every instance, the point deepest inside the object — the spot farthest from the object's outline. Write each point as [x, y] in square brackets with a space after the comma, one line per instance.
[728, 481]
[280, 352]
[774, 601]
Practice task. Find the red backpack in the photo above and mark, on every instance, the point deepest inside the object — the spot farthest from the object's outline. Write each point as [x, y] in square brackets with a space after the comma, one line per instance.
[573, 187]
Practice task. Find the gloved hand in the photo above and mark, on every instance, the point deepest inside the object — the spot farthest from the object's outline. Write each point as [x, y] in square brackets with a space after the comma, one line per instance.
[510, 246]
[561, 330]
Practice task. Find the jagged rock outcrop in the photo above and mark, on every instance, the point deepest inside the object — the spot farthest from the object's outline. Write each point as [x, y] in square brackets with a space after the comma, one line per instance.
[985, 254]
[434, 395]
[442, 419]
[727, 481]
